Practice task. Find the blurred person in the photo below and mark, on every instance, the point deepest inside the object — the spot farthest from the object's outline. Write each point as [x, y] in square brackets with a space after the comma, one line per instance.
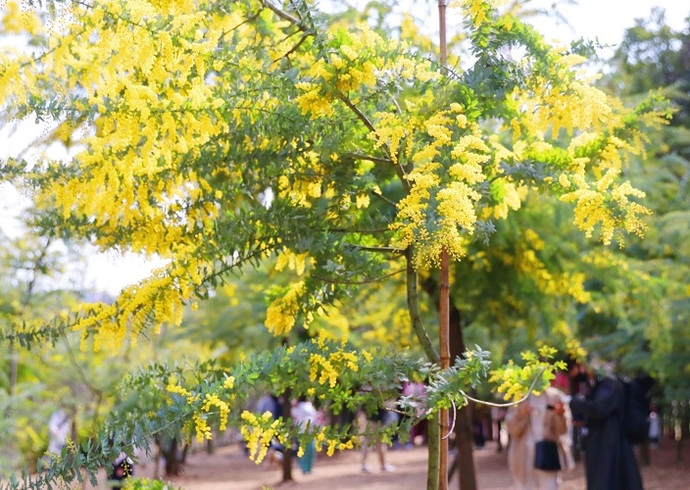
[372, 440]
[272, 404]
[541, 417]
[418, 433]
[122, 468]
[304, 415]
[654, 426]
[498, 415]
[269, 403]
[609, 458]
[59, 428]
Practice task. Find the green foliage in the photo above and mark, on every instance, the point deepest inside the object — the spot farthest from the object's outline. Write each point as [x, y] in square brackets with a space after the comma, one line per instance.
[148, 484]
[516, 382]
[366, 384]
[642, 312]
[351, 161]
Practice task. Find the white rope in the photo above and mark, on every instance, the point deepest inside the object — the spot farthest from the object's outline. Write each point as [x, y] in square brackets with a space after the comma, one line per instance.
[452, 428]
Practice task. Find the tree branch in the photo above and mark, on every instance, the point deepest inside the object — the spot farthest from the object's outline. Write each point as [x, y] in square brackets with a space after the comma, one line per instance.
[283, 15]
[375, 249]
[415, 315]
[356, 283]
[370, 126]
[361, 156]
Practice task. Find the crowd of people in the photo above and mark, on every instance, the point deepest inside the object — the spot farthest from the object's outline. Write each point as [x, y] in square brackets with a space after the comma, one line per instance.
[306, 416]
[582, 411]
[587, 414]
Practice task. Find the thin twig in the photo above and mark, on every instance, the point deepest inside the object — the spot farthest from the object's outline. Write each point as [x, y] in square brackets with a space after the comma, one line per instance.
[356, 283]
[361, 156]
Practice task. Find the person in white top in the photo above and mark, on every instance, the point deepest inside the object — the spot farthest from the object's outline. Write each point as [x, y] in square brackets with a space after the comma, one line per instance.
[59, 428]
[303, 415]
[543, 417]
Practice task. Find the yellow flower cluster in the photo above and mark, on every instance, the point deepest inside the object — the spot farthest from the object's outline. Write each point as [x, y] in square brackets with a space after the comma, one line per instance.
[313, 101]
[322, 438]
[449, 184]
[396, 331]
[359, 51]
[258, 432]
[528, 263]
[282, 312]
[513, 381]
[510, 380]
[158, 300]
[512, 200]
[203, 430]
[16, 20]
[294, 262]
[575, 350]
[210, 401]
[477, 10]
[191, 397]
[327, 366]
[155, 103]
[300, 184]
[102, 318]
[354, 65]
[318, 362]
[390, 131]
[328, 369]
[593, 207]
[577, 106]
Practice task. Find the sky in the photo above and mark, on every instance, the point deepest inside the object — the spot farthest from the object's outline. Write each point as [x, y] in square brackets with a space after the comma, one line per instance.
[605, 20]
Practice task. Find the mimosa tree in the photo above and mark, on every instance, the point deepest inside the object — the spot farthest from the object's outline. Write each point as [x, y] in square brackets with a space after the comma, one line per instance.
[223, 134]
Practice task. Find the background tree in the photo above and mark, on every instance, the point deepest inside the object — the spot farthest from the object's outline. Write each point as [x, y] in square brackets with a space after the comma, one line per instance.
[654, 57]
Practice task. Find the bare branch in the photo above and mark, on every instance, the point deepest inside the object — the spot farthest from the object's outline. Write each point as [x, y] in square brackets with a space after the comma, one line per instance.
[367, 122]
[356, 283]
[361, 156]
[283, 15]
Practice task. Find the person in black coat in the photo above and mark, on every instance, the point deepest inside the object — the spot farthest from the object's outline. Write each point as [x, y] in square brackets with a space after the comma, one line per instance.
[609, 459]
[123, 468]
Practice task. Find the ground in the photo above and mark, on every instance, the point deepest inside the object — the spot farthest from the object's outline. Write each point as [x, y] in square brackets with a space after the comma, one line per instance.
[228, 468]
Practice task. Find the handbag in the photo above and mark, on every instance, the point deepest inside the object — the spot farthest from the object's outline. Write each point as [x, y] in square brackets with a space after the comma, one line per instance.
[546, 456]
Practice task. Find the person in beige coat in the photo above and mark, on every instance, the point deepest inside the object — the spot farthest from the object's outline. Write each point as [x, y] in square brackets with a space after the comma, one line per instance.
[545, 416]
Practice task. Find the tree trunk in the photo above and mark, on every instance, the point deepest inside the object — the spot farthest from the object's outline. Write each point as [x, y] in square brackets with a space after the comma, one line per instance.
[433, 435]
[464, 461]
[444, 354]
[433, 447]
[173, 462]
[287, 450]
[413, 307]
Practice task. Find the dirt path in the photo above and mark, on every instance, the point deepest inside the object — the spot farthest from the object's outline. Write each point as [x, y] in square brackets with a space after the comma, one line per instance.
[228, 468]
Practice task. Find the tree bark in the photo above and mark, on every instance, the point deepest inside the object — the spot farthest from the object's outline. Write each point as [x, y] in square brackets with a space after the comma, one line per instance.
[433, 440]
[464, 462]
[287, 450]
[413, 308]
[444, 351]
[173, 458]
